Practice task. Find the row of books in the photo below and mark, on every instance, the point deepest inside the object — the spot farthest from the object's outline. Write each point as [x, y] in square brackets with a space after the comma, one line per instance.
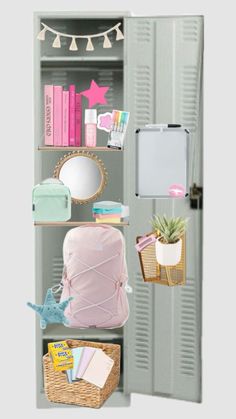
[62, 116]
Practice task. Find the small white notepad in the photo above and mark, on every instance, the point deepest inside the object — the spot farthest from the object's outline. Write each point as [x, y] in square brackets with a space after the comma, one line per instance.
[98, 369]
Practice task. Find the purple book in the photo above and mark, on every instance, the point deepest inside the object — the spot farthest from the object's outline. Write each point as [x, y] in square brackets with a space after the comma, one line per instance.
[85, 360]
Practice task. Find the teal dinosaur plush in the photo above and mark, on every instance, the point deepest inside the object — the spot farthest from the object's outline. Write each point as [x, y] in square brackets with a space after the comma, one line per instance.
[51, 311]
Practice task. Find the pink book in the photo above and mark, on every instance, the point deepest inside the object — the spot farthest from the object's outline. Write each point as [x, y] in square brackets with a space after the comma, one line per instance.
[48, 114]
[57, 116]
[78, 119]
[65, 118]
[72, 115]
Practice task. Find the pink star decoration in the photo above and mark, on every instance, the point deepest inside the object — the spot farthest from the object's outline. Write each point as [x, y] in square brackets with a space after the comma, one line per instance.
[105, 121]
[95, 94]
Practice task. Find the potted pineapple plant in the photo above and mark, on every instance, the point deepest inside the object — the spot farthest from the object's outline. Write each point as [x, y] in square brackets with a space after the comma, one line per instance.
[169, 242]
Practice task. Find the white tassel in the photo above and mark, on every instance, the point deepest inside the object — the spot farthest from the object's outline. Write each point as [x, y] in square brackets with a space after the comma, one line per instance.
[106, 43]
[41, 35]
[119, 34]
[73, 45]
[89, 46]
[57, 42]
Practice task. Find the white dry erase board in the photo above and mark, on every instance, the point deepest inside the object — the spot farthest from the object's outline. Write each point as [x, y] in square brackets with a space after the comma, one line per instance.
[162, 161]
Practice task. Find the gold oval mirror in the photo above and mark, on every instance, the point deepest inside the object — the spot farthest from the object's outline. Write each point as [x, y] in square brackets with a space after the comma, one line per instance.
[84, 174]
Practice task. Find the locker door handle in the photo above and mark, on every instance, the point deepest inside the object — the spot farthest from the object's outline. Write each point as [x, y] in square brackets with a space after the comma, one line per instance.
[196, 197]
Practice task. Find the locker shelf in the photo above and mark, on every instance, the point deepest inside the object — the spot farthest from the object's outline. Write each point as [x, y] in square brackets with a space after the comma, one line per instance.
[75, 223]
[96, 59]
[53, 148]
[62, 332]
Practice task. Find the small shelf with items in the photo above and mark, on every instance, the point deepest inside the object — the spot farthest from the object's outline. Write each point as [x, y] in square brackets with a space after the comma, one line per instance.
[94, 59]
[61, 332]
[54, 148]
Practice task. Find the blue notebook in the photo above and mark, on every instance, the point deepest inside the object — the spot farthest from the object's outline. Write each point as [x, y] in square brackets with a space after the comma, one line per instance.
[106, 205]
[107, 211]
[77, 354]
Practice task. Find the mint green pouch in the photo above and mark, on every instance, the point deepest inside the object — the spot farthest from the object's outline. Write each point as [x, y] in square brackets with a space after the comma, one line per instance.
[51, 201]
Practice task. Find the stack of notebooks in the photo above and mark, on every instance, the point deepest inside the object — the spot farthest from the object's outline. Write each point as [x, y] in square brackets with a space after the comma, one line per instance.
[91, 365]
[109, 212]
[62, 116]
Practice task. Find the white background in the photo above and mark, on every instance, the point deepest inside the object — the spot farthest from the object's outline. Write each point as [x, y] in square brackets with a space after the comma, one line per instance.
[17, 260]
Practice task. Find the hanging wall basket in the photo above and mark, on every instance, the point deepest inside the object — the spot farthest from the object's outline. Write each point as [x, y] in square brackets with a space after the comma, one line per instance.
[152, 271]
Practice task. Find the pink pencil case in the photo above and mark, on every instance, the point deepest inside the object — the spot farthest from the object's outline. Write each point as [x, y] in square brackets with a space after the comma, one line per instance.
[144, 242]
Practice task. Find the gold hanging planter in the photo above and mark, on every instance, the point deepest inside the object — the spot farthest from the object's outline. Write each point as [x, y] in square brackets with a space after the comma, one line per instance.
[152, 271]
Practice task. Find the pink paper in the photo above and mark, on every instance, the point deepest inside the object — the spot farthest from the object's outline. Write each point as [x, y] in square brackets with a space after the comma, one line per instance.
[48, 114]
[117, 215]
[57, 116]
[98, 369]
[72, 115]
[78, 119]
[65, 118]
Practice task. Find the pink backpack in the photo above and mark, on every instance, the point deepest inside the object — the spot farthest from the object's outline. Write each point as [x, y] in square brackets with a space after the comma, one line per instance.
[95, 274]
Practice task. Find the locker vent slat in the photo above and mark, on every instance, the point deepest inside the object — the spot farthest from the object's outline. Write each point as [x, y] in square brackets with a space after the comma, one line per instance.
[142, 95]
[188, 329]
[143, 32]
[58, 77]
[57, 268]
[190, 30]
[189, 98]
[106, 78]
[142, 298]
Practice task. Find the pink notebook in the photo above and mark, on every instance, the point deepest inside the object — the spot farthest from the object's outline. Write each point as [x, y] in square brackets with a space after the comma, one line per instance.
[65, 118]
[78, 119]
[48, 114]
[72, 115]
[57, 116]
[98, 369]
[85, 360]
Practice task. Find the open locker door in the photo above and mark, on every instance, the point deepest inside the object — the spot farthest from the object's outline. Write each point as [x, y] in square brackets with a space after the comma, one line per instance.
[163, 78]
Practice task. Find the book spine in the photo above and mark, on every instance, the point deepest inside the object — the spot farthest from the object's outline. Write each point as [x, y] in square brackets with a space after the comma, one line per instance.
[48, 114]
[65, 118]
[57, 115]
[78, 119]
[72, 115]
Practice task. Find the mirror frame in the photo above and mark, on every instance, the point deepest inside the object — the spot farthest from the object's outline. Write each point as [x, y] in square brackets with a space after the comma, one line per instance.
[100, 164]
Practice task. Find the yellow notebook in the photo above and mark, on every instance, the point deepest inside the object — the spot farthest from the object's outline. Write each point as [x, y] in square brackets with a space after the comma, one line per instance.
[108, 220]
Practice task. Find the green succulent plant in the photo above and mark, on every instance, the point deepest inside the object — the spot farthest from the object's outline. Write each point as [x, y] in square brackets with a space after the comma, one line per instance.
[170, 229]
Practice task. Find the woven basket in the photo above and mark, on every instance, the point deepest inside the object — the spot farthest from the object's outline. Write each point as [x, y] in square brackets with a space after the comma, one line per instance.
[81, 393]
[152, 271]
